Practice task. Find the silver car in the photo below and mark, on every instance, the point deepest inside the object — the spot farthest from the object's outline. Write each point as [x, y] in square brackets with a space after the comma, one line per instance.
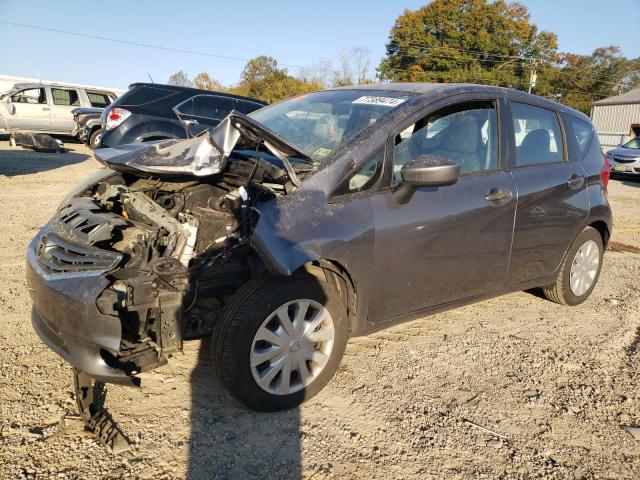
[626, 158]
[37, 107]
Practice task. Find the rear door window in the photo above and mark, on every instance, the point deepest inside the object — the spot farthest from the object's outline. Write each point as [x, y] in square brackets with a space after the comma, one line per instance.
[98, 99]
[538, 136]
[64, 97]
[207, 106]
[582, 133]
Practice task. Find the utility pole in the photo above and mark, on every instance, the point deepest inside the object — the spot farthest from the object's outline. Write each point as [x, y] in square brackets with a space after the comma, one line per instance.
[533, 76]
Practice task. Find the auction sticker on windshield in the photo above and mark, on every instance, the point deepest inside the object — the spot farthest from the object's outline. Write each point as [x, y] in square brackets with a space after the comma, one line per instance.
[385, 101]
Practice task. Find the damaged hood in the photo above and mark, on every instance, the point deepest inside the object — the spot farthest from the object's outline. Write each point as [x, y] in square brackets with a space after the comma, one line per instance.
[203, 155]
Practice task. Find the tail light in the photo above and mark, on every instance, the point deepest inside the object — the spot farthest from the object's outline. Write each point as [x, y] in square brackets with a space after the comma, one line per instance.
[605, 173]
[116, 116]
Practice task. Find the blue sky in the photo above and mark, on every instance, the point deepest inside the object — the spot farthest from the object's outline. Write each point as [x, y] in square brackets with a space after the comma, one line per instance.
[294, 32]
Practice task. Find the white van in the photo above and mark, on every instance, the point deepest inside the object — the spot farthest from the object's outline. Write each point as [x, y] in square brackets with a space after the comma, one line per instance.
[36, 107]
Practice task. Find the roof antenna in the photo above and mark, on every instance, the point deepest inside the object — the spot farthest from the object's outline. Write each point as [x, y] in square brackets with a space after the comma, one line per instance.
[150, 77]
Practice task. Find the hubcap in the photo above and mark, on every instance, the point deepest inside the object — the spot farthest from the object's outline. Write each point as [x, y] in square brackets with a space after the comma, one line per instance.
[584, 267]
[96, 140]
[292, 347]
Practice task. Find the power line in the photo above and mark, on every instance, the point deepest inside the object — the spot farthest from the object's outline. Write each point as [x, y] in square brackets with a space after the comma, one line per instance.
[558, 71]
[515, 57]
[135, 44]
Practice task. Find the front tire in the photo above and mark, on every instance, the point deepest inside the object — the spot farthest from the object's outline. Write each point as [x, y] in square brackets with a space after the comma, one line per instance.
[579, 271]
[280, 340]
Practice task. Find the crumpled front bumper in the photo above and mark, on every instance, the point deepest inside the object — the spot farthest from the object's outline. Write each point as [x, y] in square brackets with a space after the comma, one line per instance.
[66, 318]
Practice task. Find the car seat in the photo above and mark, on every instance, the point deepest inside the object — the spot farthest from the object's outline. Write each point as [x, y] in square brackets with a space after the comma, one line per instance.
[535, 148]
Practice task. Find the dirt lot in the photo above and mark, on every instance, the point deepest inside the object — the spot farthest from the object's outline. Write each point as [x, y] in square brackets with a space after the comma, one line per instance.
[556, 383]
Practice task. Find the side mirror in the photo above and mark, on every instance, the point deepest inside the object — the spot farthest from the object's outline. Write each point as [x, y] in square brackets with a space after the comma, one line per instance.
[425, 171]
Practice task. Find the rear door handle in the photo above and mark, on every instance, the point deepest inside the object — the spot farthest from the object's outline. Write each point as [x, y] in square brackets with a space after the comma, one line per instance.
[575, 181]
[498, 195]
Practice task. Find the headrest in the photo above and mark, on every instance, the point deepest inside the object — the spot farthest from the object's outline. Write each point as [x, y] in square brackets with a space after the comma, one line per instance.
[538, 140]
[462, 134]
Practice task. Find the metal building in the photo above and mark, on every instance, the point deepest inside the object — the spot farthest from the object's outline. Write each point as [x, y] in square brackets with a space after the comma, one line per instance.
[617, 119]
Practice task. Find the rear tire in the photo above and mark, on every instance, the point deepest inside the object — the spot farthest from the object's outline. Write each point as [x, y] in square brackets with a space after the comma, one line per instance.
[94, 139]
[277, 328]
[579, 271]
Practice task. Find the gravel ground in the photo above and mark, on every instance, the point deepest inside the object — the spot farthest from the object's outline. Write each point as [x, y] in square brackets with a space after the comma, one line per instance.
[555, 385]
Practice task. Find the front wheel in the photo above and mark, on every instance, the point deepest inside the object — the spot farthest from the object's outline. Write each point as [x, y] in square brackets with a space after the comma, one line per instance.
[579, 271]
[280, 340]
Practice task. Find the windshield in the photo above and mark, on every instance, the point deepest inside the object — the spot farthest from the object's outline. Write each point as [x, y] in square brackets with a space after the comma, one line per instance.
[319, 123]
[635, 143]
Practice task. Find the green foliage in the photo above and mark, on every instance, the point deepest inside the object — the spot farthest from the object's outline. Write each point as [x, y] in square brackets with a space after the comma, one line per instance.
[440, 43]
[205, 82]
[263, 79]
[580, 80]
[494, 43]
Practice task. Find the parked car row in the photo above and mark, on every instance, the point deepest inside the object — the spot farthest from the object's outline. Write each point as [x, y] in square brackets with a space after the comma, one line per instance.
[146, 112]
[34, 107]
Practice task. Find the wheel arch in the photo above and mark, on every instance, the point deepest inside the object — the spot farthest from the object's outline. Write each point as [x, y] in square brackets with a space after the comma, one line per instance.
[603, 229]
[336, 275]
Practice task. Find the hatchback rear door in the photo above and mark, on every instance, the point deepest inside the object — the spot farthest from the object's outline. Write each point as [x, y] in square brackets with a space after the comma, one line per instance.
[553, 202]
[446, 243]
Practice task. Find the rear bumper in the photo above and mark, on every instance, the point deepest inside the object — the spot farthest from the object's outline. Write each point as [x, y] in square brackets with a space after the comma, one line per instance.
[66, 318]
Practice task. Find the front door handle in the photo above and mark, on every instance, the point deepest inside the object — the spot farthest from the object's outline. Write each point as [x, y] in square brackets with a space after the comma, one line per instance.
[46, 109]
[575, 181]
[498, 195]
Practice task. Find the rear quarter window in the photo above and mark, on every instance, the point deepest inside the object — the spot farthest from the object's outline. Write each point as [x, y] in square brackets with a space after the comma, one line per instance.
[582, 133]
[98, 99]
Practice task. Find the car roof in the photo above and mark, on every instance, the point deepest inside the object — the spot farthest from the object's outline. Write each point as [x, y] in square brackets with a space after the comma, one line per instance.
[421, 89]
[22, 86]
[191, 90]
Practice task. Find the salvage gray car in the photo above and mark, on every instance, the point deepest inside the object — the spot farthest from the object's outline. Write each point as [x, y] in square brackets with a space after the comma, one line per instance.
[626, 158]
[326, 216]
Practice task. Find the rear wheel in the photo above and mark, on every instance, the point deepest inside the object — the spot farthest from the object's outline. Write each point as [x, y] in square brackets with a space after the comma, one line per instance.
[280, 340]
[579, 271]
[94, 139]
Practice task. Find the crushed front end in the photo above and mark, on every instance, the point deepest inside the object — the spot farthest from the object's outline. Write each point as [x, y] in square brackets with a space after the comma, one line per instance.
[134, 262]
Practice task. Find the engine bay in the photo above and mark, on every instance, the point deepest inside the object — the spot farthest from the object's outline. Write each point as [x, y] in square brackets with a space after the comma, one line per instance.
[182, 246]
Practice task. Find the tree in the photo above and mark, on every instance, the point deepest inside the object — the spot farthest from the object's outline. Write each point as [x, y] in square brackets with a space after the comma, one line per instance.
[467, 41]
[263, 79]
[180, 79]
[580, 80]
[204, 81]
[319, 73]
[353, 67]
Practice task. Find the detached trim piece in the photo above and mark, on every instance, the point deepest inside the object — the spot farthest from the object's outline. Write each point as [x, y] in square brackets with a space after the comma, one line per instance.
[94, 415]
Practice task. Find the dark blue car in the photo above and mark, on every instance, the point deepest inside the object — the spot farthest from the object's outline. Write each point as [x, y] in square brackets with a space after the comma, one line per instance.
[333, 214]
